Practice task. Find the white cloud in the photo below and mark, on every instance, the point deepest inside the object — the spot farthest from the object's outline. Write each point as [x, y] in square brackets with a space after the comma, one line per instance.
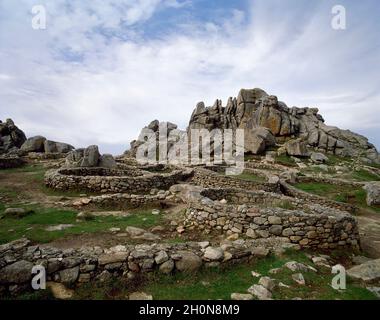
[72, 83]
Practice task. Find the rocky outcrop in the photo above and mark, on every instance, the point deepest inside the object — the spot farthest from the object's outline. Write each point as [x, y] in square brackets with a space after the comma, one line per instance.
[34, 144]
[296, 148]
[149, 135]
[41, 144]
[255, 108]
[88, 158]
[11, 137]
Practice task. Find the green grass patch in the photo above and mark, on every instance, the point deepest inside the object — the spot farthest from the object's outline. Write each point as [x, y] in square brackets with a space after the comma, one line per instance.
[364, 175]
[33, 226]
[247, 176]
[220, 282]
[347, 194]
[285, 160]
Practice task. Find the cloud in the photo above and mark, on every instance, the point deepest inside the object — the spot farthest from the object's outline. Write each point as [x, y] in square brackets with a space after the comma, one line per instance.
[95, 75]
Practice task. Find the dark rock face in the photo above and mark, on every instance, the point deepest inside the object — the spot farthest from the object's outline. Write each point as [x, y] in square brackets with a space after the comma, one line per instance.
[255, 108]
[11, 137]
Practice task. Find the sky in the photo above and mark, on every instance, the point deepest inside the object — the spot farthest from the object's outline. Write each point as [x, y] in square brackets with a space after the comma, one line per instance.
[103, 69]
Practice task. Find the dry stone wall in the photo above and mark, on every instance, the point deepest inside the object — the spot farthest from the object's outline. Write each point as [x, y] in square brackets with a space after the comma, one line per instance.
[309, 225]
[112, 181]
[209, 179]
[77, 266]
[11, 162]
[306, 197]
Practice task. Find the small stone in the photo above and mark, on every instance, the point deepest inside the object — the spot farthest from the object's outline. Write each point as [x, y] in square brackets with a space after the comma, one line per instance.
[140, 296]
[260, 292]
[213, 254]
[167, 267]
[260, 252]
[299, 278]
[241, 296]
[233, 237]
[161, 257]
[155, 212]
[267, 283]
[255, 274]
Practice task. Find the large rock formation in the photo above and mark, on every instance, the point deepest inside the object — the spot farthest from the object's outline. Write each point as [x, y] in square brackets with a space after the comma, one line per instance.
[41, 144]
[11, 137]
[150, 135]
[89, 157]
[255, 108]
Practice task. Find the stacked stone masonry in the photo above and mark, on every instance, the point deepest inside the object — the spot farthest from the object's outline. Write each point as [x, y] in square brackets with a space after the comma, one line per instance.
[309, 225]
[112, 181]
[77, 266]
[209, 179]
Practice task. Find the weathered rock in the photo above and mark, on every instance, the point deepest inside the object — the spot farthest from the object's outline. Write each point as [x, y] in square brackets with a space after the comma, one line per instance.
[299, 279]
[140, 296]
[257, 140]
[167, 267]
[91, 157]
[34, 144]
[296, 148]
[161, 257]
[16, 212]
[189, 262]
[254, 108]
[268, 283]
[18, 272]
[368, 271]
[69, 276]
[373, 193]
[107, 161]
[57, 147]
[241, 296]
[260, 292]
[213, 254]
[318, 157]
[11, 137]
[134, 231]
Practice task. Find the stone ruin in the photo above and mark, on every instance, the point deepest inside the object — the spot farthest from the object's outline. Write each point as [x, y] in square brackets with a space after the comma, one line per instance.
[257, 217]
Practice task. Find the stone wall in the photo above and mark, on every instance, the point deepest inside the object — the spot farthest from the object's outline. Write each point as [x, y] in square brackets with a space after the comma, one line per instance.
[209, 179]
[112, 181]
[127, 201]
[309, 225]
[291, 191]
[11, 162]
[76, 266]
[333, 181]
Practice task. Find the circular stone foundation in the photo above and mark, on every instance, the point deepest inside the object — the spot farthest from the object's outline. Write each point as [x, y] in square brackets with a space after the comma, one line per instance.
[127, 179]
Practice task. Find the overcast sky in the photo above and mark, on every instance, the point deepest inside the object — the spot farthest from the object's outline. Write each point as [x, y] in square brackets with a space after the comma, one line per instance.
[103, 69]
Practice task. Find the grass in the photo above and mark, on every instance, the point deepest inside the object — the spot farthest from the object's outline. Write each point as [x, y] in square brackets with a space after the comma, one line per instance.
[285, 160]
[220, 282]
[364, 175]
[33, 175]
[337, 160]
[33, 226]
[355, 196]
[246, 176]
